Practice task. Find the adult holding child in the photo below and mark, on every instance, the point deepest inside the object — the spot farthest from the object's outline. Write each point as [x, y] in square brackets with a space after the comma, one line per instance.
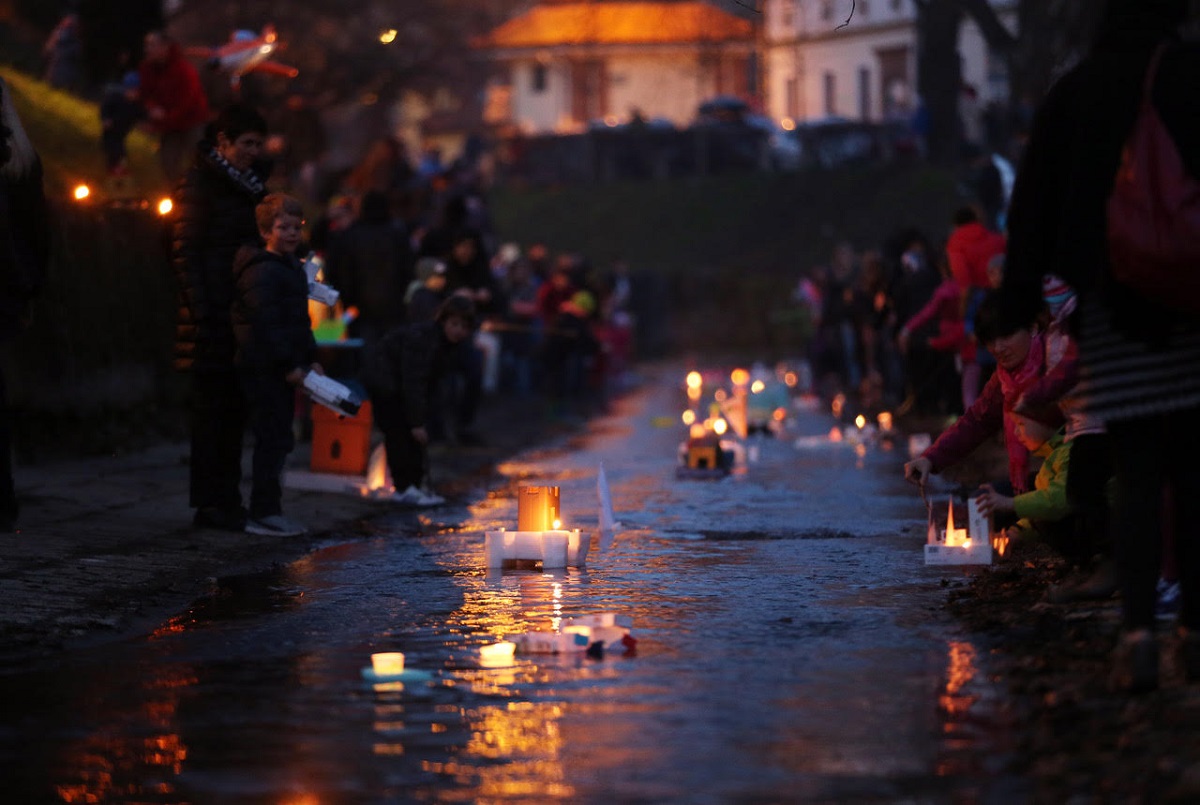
[1140, 360]
[214, 209]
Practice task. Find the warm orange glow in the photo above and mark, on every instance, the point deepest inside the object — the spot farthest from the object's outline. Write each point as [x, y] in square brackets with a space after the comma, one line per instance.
[885, 420]
[839, 403]
[787, 124]
[693, 394]
[719, 426]
[388, 36]
[955, 536]
[1000, 543]
[739, 377]
[82, 191]
[779, 414]
[689, 417]
[960, 672]
[556, 525]
[835, 434]
[757, 386]
[694, 380]
[720, 395]
[697, 431]
[165, 206]
[860, 421]
[790, 379]
[537, 507]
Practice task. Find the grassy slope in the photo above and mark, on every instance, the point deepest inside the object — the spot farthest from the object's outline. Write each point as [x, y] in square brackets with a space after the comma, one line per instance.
[65, 130]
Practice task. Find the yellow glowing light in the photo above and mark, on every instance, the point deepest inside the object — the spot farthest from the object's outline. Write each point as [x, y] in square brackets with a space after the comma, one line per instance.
[739, 377]
[689, 416]
[693, 394]
[388, 36]
[694, 380]
[860, 421]
[955, 536]
[497, 651]
[388, 663]
[1000, 543]
[757, 386]
[697, 431]
[720, 426]
[165, 206]
[791, 379]
[885, 420]
[556, 525]
[787, 124]
[82, 191]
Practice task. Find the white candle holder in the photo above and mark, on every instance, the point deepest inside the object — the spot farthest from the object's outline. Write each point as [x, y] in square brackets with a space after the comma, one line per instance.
[553, 549]
[977, 548]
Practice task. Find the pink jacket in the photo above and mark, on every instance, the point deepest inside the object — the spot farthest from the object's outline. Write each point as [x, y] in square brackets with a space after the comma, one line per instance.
[992, 412]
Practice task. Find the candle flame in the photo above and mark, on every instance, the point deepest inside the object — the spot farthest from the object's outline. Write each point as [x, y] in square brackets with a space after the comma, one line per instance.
[557, 525]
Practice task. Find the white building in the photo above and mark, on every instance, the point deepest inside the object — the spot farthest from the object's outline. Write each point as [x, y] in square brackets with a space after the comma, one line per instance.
[566, 65]
[816, 65]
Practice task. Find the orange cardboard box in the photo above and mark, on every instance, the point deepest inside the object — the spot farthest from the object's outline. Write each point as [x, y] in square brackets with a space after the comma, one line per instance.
[341, 444]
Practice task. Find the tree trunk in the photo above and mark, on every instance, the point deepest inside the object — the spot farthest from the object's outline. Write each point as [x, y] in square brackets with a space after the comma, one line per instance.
[939, 75]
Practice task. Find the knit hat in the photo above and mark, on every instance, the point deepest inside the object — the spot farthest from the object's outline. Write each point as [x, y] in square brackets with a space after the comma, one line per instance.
[1059, 296]
[428, 266]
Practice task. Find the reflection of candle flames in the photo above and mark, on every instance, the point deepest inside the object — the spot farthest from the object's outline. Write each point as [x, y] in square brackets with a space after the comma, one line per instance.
[860, 421]
[960, 671]
[1000, 543]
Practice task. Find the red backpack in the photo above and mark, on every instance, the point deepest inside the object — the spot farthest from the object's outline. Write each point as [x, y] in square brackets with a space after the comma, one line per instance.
[1154, 213]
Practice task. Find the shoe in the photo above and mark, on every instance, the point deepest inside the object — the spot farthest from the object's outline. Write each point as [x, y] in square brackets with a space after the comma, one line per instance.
[275, 525]
[222, 519]
[417, 498]
[1167, 606]
[1135, 667]
[1100, 585]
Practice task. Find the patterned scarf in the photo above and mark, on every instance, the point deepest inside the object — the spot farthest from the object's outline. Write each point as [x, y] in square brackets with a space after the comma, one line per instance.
[247, 180]
[1012, 384]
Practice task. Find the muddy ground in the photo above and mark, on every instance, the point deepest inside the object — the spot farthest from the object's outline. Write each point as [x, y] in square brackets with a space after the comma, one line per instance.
[1077, 738]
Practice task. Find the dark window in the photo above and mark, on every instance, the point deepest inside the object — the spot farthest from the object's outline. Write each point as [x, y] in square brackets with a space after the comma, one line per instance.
[830, 94]
[539, 78]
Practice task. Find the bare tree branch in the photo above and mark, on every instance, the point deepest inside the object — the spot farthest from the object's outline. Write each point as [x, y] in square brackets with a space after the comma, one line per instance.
[849, 17]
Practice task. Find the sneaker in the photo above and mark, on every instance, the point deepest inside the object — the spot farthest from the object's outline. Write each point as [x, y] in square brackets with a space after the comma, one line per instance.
[222, 519]
[416, 498]
[275, 525]
[1167, 606]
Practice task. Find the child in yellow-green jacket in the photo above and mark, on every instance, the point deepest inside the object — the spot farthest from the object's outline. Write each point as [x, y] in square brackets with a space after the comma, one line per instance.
[1043, 513]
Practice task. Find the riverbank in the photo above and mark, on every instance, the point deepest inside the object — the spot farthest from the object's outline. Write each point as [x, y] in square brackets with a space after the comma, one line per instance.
[106, 547]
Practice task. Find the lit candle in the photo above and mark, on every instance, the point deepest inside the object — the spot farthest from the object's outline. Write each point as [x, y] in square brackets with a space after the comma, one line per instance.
[387, 663]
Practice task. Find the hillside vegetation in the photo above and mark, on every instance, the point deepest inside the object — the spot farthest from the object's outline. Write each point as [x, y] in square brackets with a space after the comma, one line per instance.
[723, 253]
[65, 129]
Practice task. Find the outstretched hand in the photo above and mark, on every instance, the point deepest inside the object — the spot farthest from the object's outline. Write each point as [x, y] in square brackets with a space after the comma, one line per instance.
[917, 471]
[992, 502]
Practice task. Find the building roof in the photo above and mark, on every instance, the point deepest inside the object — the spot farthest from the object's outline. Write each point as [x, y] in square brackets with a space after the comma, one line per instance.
[618, 23]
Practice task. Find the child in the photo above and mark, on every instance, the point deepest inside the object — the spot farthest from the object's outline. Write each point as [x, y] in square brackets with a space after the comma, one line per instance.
[120, 111]
[401, 373]
[1005, 326]
[1045, 512]
[275, 349]
[426, 293]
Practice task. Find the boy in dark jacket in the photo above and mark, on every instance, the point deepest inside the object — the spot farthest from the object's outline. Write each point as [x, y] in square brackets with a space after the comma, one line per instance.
[401, 373]
[275, 349]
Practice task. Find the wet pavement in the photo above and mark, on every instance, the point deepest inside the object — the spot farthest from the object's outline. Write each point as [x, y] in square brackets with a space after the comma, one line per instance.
[791, 647]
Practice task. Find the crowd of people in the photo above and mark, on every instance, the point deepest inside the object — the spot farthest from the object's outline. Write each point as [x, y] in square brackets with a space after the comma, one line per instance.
[1013, 322]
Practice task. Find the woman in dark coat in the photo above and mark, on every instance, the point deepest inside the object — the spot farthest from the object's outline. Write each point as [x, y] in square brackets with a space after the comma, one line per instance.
[24, 257]
[1141, 363]
[215, 217]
